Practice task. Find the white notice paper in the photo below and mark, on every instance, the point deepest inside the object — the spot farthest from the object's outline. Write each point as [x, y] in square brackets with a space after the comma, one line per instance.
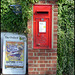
[42, 26]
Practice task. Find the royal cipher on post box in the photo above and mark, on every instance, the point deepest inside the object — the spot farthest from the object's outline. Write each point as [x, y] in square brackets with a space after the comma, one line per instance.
[42, 26]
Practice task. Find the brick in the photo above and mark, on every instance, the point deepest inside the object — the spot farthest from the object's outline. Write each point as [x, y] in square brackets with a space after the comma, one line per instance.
[29, 42]
[29, 35]
[54, 68]
[33, 50]
[51, 57]
[55, 34]
[34, 61]
[30, 61]
[55, 38]
[49, 61]
[42, 65]
[55, 18]
[55, 10]
[55, 6]
[42, 69]
[42, 50]
[29, 38]
[55, 14]
[42, 61]
[50, 51]
[55, 42]
[29, 46]
[50, 65]
[30, 54]
[42, 58]
[54, 46]
[54, 61]
[34, 69]
[29, 22]
[33, 58]
[53, 2]
[54, 54]
[50, 72]
[56, 22]
[55, 30]
[49, 54]
[33, 65]
[42, 73]
[54, 72]
[42, 1]
[30, 69]
[42, 54]
[29, 26]
[33, 73]
[35, 54]
[55, 26]
[49, 68]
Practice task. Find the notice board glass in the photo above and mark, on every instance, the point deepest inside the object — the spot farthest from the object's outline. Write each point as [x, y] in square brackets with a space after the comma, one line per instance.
[14, 54]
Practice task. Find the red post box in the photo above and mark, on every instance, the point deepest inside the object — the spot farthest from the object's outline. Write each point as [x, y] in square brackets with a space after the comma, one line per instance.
[42, 26]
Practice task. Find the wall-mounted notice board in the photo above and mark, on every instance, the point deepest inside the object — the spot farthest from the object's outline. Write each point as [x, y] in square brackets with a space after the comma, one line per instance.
[14, 54]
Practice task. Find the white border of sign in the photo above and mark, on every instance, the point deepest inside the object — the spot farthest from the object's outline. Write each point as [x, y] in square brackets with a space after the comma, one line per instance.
[14, 70]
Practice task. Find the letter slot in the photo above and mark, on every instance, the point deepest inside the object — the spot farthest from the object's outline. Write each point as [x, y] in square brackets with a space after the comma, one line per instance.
[41, 12]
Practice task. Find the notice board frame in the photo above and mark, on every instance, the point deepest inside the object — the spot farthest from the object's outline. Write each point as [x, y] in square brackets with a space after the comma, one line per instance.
[14, 38]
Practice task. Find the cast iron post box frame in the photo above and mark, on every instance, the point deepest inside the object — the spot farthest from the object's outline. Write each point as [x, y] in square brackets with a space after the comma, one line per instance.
[42, 26]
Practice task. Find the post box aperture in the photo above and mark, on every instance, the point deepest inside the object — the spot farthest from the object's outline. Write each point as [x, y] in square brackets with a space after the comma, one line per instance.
[42, 26]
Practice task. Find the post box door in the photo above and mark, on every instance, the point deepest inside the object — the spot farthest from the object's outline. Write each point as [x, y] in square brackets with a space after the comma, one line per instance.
[42, 26]
[41, 32]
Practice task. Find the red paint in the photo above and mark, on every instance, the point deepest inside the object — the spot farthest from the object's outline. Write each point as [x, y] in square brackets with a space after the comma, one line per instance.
[42, 40]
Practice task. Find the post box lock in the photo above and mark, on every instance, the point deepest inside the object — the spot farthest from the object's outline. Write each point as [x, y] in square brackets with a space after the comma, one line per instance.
[42, 19]
[38, 44]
